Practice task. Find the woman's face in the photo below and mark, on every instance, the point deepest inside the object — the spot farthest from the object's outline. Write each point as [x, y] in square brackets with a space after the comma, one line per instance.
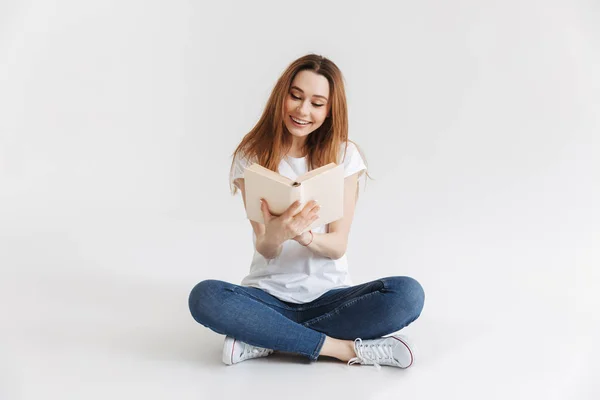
[307, 103]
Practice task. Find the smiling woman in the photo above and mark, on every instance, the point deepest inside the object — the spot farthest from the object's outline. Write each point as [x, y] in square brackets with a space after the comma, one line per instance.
[298, 296]
[311, 91]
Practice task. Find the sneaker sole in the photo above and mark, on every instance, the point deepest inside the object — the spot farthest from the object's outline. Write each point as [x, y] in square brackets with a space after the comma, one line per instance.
[404, 341]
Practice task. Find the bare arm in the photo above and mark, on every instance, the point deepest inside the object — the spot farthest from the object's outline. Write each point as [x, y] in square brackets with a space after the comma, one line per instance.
[334, 243]
[267, 246]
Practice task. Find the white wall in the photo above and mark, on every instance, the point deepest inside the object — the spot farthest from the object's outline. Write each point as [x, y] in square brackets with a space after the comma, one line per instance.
[479, 120]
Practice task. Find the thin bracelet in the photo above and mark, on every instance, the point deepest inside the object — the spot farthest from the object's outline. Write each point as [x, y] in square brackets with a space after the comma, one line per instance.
[311, 238]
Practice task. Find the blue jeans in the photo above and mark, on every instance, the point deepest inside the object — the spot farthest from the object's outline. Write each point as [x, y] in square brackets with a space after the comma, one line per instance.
[369, 310]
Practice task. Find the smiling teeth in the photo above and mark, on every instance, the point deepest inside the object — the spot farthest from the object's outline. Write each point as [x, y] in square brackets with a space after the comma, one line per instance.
[300, 122]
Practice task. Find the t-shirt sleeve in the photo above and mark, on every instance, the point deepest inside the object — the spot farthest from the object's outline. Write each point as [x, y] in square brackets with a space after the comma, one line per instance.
[353, 162]
[240, 163]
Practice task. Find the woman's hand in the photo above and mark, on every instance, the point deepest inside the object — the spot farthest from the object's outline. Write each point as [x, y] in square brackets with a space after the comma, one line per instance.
[287, 225]
[304, 238]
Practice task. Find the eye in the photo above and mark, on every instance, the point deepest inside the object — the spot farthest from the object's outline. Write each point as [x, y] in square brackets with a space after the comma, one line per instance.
[298, 98]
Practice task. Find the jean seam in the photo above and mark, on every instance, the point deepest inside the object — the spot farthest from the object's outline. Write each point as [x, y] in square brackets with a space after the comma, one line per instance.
[315, 355]
[338, 309]
[305, 307]
[317, 305]
[308, 307]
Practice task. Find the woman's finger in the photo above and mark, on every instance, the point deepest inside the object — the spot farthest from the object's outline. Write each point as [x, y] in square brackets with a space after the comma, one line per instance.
[291, 210]
[312, 217]
[310, 220]
[313, 211]
[316, 207]
[264, 208]
[308, 207]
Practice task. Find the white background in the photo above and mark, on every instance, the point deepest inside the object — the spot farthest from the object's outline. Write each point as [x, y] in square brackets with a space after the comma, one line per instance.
[479, 121]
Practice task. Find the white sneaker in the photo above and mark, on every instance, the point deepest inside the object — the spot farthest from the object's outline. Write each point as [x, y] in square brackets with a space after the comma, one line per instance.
[394, 351]
[235, 351]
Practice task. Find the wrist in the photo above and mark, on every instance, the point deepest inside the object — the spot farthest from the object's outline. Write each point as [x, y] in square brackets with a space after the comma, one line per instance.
[306, 238]
[268, 247]
[271, 241]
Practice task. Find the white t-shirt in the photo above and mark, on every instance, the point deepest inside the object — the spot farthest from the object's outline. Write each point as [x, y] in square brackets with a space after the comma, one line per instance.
[298, 275]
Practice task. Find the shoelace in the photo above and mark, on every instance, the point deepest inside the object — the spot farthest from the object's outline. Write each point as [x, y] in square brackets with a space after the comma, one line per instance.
[252, 351]
[373, 354]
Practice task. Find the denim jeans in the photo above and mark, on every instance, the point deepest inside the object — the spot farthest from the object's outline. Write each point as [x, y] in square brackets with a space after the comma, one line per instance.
[369, 310]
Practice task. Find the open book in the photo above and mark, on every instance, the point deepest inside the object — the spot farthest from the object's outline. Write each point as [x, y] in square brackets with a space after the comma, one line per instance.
[324, 184]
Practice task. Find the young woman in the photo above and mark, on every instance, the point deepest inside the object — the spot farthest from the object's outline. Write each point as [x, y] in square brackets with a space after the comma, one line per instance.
[298, 296]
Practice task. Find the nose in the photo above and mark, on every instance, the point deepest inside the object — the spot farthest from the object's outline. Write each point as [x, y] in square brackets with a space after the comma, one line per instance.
[303, 108]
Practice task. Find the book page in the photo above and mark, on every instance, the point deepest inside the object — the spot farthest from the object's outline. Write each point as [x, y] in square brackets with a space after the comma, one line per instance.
[278, 195]
[328, 189]
[266, 172]
[315, 172]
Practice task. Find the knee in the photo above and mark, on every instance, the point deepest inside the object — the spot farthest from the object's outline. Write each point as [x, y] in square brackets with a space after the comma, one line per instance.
[205, 298]
[410, 295]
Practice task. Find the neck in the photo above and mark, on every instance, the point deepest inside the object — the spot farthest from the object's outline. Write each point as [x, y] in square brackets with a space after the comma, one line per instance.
[296, 150]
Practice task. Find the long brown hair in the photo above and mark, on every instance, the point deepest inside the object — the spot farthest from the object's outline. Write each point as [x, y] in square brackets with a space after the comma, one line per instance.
[269, 141]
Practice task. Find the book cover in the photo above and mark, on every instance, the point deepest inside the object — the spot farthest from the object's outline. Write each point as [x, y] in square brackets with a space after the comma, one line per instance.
[324, 184]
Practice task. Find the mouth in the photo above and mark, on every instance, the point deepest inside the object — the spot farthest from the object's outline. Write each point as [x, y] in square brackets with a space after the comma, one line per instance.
[299, 122]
